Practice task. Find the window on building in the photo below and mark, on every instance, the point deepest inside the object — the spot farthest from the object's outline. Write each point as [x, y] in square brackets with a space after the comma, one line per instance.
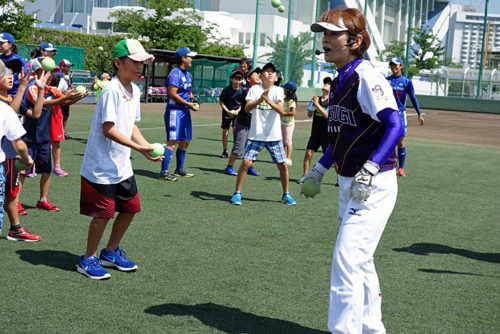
[101, 3]
[68, 6]
[104, 25]
[79, 6]
[114, 3]
[248, 38]
[241, 37]
[90, 3]
[262, 39]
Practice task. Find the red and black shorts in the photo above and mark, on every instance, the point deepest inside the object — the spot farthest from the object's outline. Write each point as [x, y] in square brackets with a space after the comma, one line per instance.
[103, 200]
[11, 178]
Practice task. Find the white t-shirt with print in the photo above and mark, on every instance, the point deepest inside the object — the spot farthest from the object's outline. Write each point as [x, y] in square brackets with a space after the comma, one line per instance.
[105, 161]
[10, 126]
[266, 122]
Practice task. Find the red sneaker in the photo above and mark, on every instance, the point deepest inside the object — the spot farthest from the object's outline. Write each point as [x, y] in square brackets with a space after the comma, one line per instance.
[401, 172]
[22, 234]
[46, 205]
[20, 210]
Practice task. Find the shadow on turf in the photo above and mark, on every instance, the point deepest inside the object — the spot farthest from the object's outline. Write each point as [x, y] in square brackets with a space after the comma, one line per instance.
[231, 320]
[51, 258]
[436, 271]
[204, 196]
[427, 248]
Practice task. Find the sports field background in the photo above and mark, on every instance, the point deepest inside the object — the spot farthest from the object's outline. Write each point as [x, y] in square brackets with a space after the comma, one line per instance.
[206, 266]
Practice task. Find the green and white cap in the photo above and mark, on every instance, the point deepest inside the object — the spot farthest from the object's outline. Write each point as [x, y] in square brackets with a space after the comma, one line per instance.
[133, 49]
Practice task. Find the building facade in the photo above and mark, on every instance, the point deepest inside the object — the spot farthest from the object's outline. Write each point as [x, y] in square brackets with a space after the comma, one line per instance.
[465, 41]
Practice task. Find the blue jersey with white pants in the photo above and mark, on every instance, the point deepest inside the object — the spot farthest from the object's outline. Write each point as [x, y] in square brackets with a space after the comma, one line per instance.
[400, 87]
[178, 116]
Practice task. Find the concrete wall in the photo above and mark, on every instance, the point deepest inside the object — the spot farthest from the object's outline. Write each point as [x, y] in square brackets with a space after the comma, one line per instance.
[304, 94]
[457, 104]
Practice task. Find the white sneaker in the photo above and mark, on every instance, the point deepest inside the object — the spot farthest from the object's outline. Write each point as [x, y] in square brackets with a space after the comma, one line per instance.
[288, 162]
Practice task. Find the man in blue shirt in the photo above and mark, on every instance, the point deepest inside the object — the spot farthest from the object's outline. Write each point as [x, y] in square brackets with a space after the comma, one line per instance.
[178, 115]
[401, 86]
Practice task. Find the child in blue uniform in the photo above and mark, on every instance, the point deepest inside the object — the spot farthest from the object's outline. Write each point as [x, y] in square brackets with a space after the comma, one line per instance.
[401, 86]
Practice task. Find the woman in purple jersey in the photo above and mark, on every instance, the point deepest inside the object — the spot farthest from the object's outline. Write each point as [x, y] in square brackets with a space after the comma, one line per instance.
[363, 127]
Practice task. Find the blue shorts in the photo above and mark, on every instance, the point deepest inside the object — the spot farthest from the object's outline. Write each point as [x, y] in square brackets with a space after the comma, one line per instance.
[275, 148]
[402, 114]
[40, 152]
[178, 124]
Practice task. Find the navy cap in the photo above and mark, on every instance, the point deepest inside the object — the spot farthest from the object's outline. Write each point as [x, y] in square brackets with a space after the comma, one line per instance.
[252, 71]
[14, 64]
[47, 47]
[237, 71]
[269, 66]
[291, 86]
[6, 37]
[184, 51]
[396, 60]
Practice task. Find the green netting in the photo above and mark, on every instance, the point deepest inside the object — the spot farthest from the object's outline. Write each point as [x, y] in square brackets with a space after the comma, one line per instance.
[209, 77]
[74, 55]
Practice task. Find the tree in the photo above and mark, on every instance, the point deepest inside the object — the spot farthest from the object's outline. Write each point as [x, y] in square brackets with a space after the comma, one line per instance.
[172, 24]
[14, 20]
[427, 52]
[299, 55]
[395, 49]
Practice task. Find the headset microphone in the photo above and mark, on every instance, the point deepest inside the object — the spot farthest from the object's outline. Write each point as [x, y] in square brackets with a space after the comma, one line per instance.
[318, 52]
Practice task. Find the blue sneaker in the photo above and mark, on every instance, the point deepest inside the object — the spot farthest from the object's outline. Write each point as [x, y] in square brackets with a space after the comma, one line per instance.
[236, 199]
[252, 171]
[92, 268]
[230, 171]
[287, 199]
[118, 259]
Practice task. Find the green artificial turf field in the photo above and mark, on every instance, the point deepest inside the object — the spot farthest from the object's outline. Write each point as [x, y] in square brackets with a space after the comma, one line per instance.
[206, 266]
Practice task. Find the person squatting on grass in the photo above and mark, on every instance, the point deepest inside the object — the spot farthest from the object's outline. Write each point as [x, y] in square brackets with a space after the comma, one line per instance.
[364, 127]
[230, 101]
[287, 119]
[265, 102]
[178, 115]
[107, 179]
[11, 131]
[37, 124]
[242, 127]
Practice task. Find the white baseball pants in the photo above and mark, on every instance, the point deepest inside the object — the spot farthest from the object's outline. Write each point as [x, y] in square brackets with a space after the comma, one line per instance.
[355, 298]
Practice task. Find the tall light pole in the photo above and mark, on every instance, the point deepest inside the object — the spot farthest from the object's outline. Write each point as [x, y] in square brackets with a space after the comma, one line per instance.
[256, 34]
[313, 60]
[288, 38]
[408, 38]
[480, 77]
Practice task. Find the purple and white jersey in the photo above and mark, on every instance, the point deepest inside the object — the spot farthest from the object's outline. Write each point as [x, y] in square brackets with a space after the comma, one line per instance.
[357, 94]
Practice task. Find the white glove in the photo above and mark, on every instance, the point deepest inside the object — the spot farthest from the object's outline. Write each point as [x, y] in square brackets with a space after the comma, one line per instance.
[317, 173]
[362, 184]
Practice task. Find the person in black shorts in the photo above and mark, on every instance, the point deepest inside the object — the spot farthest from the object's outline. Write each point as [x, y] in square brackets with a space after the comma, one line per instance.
[230, 101]
[243, 120]
[319, 129]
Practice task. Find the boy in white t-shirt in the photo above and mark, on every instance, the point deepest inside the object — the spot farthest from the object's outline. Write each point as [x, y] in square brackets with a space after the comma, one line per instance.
[108, 183]
[265, 102]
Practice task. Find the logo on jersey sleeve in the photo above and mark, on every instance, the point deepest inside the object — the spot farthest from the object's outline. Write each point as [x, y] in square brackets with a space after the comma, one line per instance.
[379, 94]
